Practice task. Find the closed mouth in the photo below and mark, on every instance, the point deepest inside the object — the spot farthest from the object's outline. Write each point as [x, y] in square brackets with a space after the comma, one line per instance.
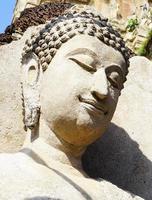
[94, 104]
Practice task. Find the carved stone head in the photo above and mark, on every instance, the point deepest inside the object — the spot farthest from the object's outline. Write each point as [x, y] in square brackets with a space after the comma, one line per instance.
[74, 70]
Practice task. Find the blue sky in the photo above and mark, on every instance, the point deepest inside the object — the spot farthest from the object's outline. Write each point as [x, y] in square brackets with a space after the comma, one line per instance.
[6, 13]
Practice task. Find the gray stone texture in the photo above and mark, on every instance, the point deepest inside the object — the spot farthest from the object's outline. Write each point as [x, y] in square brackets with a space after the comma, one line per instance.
[123, 155]
[11, 121]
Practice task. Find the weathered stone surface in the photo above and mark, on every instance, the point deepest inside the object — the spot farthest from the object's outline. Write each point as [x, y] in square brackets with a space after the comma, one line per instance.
[21, 5]
[33, 17]
[137, 39]
[111, 8]
[123, 156]
[37, 174]
[11, 126]
[120, 8]
[11, 120]
[50, 179]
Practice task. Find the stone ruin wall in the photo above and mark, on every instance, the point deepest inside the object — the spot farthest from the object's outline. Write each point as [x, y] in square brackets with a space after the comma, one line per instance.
[119, 12]
[21, 5]
[110, 8]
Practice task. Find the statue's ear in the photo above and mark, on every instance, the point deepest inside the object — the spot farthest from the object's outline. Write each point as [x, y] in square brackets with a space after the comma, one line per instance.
[31, 78]
[31, 70]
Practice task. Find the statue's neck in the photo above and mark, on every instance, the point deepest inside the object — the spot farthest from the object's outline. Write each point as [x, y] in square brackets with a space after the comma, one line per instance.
[50, 149]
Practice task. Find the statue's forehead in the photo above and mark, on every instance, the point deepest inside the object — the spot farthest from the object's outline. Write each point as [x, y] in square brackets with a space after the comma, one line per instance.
[87, 45]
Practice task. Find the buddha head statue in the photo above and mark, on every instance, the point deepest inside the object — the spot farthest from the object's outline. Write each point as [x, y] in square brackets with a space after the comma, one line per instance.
[73, 72]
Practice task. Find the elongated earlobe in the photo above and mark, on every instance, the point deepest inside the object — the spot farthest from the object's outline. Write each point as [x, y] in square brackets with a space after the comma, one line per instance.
[31, 76]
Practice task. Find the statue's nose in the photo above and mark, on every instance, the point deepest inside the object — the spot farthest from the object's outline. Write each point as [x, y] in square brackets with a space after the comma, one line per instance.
[100, 84]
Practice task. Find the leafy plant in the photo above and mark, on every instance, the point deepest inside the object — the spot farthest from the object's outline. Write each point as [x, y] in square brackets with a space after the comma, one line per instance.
[132, 24]
[143, 50]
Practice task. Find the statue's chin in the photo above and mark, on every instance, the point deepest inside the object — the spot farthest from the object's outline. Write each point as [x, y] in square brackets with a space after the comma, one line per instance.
[77, 133]
[80, 136]
[74, 150]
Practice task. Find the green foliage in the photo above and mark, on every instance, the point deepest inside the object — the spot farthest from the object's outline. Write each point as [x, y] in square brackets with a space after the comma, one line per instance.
[143, 51]
[132, 24]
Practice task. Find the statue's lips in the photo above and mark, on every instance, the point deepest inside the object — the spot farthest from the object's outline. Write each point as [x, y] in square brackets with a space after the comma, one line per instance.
[95, 104]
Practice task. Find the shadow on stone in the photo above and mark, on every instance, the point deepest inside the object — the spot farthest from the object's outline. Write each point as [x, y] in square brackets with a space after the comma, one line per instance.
[118, 159]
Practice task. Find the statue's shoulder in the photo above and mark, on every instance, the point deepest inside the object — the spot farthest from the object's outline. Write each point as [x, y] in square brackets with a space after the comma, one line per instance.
[12, 161]
[22, 178]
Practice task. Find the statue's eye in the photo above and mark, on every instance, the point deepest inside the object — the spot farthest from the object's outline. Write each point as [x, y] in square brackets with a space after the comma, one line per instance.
[85, 66]
[115, 80]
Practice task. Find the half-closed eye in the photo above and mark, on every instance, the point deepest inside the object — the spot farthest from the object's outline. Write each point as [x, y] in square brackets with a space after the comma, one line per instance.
[115, 80]
[85, 66]
[115, 76]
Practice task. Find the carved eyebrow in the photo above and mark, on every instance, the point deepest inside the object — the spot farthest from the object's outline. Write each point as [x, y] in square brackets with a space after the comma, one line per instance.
[85, 66]
[87, 52]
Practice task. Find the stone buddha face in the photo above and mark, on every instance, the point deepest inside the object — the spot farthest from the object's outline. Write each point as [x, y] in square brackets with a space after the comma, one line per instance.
[77, 87]
[80, 89]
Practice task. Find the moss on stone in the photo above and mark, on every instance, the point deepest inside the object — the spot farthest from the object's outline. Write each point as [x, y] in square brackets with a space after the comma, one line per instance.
[143, 49]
